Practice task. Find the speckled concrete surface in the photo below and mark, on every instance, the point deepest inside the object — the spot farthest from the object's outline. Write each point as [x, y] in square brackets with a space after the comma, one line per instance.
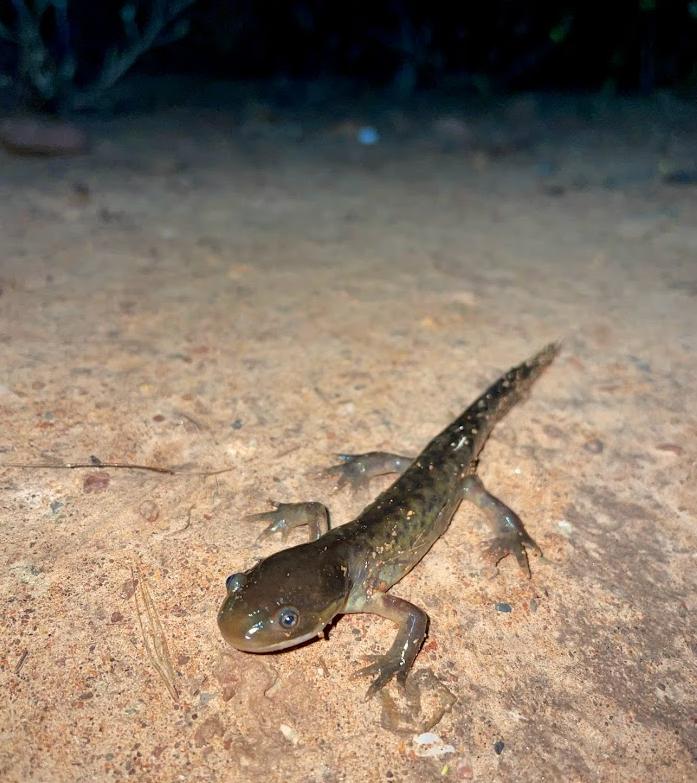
[208, 296]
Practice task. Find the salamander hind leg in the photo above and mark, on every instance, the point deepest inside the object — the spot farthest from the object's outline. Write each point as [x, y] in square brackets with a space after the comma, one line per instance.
[355, 470]
[510, 535]
[398, 660]
[286, 516]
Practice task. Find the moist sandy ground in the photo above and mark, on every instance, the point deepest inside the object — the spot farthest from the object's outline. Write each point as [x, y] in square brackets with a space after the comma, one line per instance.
[251, 291]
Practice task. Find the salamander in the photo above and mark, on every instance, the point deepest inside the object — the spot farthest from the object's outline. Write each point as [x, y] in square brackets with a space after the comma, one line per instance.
[291, 596]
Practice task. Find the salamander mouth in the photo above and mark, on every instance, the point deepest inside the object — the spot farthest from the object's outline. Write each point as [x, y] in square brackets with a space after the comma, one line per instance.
[257, 646]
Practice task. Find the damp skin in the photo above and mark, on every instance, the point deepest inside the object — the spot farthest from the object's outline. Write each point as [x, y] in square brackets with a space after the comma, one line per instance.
[293, 595]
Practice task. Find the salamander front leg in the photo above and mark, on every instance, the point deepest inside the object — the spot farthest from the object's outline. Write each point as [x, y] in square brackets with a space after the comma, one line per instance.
[510, 535]
[287, 516]
[398, 660]
[357, 469]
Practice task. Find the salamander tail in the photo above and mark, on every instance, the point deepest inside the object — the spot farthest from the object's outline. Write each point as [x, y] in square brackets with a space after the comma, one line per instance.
[535, 366]
[512, 387]
[502, 395]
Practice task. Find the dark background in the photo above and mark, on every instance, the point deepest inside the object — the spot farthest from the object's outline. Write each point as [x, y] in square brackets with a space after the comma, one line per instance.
[504, 44]
[487, 47]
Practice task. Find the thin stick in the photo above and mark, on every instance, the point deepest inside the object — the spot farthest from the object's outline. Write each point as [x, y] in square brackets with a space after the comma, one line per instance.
[218, 472]
[154, 638]
[79, 465]
[20, 662]
[122, 465]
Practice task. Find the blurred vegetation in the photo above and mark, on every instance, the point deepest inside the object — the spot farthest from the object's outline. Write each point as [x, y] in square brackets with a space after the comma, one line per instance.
[50, 60]
[52, 51]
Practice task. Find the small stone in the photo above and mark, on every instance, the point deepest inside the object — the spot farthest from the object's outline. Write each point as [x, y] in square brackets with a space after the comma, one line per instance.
[430, 745]
[96, 482]
[503, 607]
[671, 448]
[228, 675]
[210, 728]
[128, 588]
[237, 424]
[553, 431]
[289, 733]
[116, 617]
[565, 527]
[39, 136]
[56, 506]
[463, 770]
[367, 135]
[499, 745]
[594, 446]
[149, 510]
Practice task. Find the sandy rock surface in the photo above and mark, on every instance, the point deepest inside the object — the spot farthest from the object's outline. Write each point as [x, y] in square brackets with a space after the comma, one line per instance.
[191, 296]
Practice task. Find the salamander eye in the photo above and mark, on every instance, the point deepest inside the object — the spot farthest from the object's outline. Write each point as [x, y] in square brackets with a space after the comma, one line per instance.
[234, 582]
[288, 617]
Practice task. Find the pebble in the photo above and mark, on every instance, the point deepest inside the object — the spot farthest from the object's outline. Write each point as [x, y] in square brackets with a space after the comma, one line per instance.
[289, 733]
[565, 527]
[96, 482]
[504, 607]
[210, 728]
[42, 137]
[367, 135]
[594, 446]
[430, 745]
[149, 510]
[672, 448]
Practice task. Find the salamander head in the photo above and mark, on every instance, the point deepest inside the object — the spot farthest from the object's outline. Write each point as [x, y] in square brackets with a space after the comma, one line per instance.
[283, 600]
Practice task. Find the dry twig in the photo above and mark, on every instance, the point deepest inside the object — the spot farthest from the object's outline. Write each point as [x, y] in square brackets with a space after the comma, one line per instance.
[154, 639]
[97, 464]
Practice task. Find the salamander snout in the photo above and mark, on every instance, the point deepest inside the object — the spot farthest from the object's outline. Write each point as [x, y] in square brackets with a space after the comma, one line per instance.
[279, 603]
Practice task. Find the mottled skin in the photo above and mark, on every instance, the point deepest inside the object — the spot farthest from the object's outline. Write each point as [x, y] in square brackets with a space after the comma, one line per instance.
[293, 595]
